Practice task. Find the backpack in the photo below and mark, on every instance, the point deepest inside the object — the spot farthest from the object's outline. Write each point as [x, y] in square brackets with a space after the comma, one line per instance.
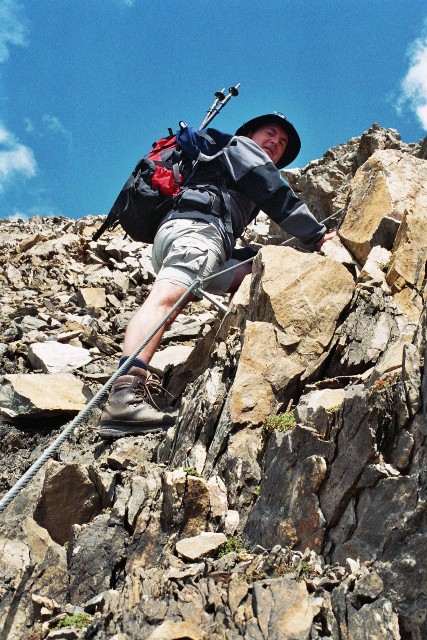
[158, 180]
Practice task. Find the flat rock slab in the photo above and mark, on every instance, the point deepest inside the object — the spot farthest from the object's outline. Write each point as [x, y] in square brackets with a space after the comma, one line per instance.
[196, 547]
[91, 297]
[55, 357]
[39, 394]
[169, 630]
[174, 355]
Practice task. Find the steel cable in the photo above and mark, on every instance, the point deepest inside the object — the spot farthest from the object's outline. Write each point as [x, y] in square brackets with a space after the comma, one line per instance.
[65, 434]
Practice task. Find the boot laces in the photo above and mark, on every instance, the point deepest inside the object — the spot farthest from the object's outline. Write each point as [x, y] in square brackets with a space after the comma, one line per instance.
[146, 387]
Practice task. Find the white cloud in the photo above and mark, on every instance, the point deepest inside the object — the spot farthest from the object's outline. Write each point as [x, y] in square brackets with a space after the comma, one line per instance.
[13, 30]
[54, 124]
[18, 216]
[414, 84]
[15, 159]
[44, 211]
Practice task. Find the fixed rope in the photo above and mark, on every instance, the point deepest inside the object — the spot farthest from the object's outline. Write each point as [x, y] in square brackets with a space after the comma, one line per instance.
[66, 433]
[235, 266]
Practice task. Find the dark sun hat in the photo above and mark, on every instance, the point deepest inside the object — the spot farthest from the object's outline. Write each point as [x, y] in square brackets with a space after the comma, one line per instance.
[294, 142]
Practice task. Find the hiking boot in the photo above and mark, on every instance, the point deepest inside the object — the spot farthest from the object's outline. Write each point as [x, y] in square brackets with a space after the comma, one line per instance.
[131, 410]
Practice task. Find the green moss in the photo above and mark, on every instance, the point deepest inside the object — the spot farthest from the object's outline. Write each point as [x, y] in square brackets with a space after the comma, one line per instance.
[191, 471]
[281, 422]
[333, 409]
[80, 620]
[234, 543]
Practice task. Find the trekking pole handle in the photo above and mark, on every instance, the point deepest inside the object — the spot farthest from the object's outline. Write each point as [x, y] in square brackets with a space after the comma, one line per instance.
[219, 95]
[220, 104]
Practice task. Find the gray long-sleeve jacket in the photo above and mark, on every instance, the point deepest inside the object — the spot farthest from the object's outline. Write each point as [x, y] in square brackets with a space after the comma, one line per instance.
[244, 179]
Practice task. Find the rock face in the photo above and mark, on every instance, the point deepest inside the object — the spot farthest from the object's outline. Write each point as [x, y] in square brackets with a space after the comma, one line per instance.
[325, 183]
[288, 502]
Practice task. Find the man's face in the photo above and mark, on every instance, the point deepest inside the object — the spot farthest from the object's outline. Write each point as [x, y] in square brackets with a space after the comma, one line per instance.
[272, 139]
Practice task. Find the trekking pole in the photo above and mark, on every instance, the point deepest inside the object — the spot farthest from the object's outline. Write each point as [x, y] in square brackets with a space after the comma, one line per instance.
[219, 104]
[219, 96]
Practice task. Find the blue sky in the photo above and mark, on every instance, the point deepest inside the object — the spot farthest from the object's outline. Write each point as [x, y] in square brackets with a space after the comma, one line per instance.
[87, 85]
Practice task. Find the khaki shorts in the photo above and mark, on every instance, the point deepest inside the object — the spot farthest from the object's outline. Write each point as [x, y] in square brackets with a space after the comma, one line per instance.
[184, 249]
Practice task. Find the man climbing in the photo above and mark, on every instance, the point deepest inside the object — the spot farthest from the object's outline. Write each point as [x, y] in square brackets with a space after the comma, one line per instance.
[196, 239]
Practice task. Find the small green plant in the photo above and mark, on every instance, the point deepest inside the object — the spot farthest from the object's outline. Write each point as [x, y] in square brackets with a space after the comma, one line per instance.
[256, 490]
[333, 409]
[282, 570]
[382, 383]
[301, 569]
[80, 620]
[192, 471]
[66, 545]
[234, 543]
[281, 422]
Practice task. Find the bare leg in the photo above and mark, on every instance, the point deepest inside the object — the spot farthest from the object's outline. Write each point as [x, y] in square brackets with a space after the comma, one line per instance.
[159, 302]
[238, 275]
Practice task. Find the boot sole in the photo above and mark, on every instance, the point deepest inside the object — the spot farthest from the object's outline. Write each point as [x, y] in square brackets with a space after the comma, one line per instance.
[119, 431]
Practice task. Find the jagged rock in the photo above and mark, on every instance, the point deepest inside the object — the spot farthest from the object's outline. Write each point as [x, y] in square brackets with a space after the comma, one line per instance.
[388, 189]
[91, 297]
[289, 513]
[14, 561]
[186, 327]
[96, 558]
[40, 542]
[406, 272]
[324, 183]
[423, 150]
[47, 571]
[69, 633]
[59, 509]
[373, 324]
[283, 609]
[348, 480]
[186, 503]
[196, 506]
[54, 357]
[217, 497]
[177, 631]
[24, 395]
[173, 355]
[240, 467]
[316, 409]
[205, 415]
[185, 571]
[61, 244]
[335, 250]
[292, 326]
[194, 366]
[231, 522]
[373, 271]
[45, 608]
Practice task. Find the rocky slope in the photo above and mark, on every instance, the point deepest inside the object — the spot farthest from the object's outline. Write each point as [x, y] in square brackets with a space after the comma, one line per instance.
[289, 500]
